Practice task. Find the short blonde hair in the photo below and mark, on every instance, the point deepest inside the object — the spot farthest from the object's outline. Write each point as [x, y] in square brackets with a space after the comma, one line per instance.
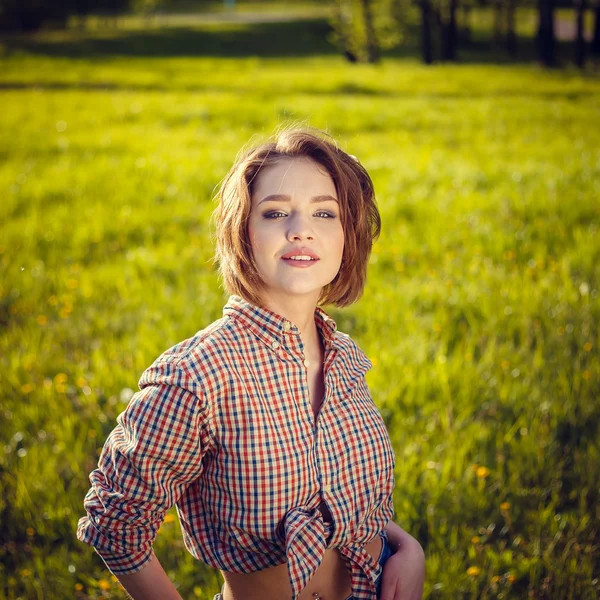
[358, 214]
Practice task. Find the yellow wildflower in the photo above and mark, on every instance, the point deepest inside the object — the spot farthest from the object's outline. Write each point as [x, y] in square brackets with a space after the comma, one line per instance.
[505, 506]
[60, 378]
[30, 531]
[511, 578]
[505, 364]
[25, 573]
[587, 346]
[482, 472]
[42, 319]
[78, 587]
[475, 539]
[27, 388]
[473, 571]
[103, 584]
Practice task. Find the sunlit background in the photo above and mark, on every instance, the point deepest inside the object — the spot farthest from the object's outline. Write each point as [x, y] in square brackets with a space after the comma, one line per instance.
[479, 123]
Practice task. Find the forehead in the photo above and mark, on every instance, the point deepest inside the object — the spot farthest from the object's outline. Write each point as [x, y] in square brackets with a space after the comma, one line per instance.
[294, 177]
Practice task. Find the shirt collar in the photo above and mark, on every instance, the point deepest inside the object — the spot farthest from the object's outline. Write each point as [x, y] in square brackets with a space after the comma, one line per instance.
[271, 326]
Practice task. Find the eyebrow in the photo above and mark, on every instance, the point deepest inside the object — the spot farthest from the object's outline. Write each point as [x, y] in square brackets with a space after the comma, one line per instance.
[286, 198]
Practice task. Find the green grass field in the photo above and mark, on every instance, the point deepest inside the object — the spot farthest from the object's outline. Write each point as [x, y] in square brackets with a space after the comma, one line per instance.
[481, 310]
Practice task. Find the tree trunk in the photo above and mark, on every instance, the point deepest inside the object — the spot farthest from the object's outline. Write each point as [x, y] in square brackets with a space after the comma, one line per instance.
[449, 33]
[596, 39]
[546, 43]
[497, 23]
[426, 32]
[580, 41]
[466, 24]
[511, 36]
[372, 46]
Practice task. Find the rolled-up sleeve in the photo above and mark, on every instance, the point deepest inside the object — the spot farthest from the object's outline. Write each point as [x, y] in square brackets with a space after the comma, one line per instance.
[148, 460]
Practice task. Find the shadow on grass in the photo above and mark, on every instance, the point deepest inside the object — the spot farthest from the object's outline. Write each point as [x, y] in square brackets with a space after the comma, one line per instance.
[293, 39]
[272, 40]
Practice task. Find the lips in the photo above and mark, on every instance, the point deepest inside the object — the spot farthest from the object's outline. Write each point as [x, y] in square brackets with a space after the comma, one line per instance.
[301, 254]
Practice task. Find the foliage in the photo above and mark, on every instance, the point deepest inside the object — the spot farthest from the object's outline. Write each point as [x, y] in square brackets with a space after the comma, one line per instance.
[481, 311]
[391, 20]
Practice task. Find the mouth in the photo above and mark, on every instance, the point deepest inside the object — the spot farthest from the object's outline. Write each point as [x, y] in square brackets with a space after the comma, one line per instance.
[300, 260]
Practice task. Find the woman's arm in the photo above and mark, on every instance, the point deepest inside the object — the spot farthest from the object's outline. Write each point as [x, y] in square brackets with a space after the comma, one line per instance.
[404, 572]
[402, 541]
[150, 583]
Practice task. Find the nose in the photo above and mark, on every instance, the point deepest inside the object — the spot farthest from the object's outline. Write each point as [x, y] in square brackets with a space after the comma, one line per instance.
[299, 228]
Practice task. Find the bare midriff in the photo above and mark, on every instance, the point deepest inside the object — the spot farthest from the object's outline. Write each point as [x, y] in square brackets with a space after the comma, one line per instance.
[331, 581]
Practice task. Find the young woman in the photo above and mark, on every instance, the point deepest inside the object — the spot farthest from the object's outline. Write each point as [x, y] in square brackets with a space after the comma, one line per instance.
[261, 428]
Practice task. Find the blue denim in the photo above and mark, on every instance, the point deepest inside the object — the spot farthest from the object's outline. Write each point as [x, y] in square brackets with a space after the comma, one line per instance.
[386, 552]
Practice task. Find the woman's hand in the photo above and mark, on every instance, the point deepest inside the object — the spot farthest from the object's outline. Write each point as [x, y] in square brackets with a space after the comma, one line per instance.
[404, 572]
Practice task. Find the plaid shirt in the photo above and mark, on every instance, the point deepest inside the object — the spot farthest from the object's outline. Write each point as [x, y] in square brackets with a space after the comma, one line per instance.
[223, 427]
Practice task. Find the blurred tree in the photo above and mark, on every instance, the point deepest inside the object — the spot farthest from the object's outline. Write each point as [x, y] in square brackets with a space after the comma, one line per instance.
[580, 44]
[546, 44]
[370, 36]
[362, 28]
[30, 15]
[426, 42]
[511, 36]
[595, 48]
[445, 15]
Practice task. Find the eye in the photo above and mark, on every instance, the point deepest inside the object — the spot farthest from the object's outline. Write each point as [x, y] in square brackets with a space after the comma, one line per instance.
[325, 214]
[273, 214]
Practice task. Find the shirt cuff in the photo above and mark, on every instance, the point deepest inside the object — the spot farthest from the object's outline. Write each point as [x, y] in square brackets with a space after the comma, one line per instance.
[126, 564]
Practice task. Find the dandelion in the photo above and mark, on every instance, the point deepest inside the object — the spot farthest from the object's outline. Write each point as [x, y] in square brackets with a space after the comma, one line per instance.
[482, 472]
[30, 531]
[505, 506]
[53, 300]
[78, 587]
[25, 573]
[27, 388]
[475, 539]
[42, 319]
[72, 284]
[103, 584]
[92, 433]
[511, 578]
[473, 571]
[60, 378]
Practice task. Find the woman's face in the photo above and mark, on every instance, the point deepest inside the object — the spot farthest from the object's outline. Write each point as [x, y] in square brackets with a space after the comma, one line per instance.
[295, 230]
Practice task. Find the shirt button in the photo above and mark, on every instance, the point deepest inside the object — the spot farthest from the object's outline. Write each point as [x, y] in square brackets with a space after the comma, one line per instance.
[286, 325]
[306, 363]
[275, 345]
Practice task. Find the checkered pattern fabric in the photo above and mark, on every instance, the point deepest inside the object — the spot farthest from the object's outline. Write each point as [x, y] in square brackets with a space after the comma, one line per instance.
[223, 428]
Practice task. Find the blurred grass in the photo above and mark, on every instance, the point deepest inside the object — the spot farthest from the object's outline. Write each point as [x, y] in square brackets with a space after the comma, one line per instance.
[481, 311]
